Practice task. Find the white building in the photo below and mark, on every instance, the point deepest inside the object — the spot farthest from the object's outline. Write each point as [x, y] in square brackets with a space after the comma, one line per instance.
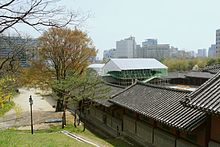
[202, 53]
[126, 48]
[97, 67]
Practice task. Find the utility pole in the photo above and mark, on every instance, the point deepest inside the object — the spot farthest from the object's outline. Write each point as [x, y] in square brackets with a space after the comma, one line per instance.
[31, 103]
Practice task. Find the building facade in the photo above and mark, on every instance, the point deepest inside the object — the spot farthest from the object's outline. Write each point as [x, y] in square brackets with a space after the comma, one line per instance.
[202, 53]
[151, 116]
[126, 48]
[212, 51]
[22, 49]
[108, 54]
[149, 42]
[206, 99]
[218, 42]
[158, 51]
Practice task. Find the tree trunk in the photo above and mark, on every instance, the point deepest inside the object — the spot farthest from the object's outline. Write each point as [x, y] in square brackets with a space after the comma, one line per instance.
[80, 111]
[64, 114]
[75, 119]
[84, 125]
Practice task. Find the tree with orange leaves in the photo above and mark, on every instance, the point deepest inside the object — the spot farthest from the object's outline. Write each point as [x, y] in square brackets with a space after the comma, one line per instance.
[63, 53]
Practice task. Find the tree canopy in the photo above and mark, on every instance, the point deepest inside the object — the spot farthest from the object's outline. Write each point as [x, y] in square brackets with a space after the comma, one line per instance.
[62, 52]
[188, 64]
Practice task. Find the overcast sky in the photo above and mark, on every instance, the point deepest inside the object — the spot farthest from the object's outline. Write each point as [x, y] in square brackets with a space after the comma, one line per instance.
[186, 24]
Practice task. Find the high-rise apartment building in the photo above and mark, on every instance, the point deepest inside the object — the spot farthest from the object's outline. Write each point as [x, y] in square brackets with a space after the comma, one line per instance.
[108, 54]
[218, 43]
[212, 51]
[202, 53]
[151, 49]
[126, 48]
[149, 42]
[22, 49]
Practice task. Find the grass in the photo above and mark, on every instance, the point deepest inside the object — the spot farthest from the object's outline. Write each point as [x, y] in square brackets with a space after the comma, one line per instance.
[13, 138]
[53, 138]
[7, 106]
[94, 137]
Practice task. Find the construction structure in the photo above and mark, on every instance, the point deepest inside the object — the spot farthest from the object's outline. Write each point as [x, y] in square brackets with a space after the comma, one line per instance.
[127, 71]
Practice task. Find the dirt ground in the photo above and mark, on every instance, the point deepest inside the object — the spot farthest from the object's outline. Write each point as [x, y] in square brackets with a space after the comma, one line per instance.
[43, 110]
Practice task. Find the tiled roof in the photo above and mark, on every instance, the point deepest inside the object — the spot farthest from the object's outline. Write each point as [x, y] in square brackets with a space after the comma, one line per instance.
[212, 68]
[192, 74]
[197, 74]
[161, 104]
[206, 97]
[113, 89]
[174, 75]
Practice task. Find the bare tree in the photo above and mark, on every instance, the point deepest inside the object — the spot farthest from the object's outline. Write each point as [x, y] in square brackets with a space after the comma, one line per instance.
[35, 13]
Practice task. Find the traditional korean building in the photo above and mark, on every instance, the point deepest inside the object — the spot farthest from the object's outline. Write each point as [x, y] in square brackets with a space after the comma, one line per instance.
[212, 68]
[207, 99]
[150, 115]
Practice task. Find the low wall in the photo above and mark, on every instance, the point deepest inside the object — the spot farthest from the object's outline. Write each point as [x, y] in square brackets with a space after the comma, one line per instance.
[144, 131]
[163, 139]
[183, 143]
[213, 144]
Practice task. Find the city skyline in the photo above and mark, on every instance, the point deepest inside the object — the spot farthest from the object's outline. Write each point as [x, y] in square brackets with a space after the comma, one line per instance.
[188, 25]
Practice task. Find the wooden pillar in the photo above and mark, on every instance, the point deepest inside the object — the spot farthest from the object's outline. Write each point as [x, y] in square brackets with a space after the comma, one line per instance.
[154, 126]
[208, 129]
[177, 134]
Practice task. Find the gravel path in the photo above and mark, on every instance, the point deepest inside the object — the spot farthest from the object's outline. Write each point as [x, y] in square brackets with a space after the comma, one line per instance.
[20, 115]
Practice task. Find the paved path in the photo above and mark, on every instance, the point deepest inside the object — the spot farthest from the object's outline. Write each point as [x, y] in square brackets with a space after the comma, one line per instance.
[39, 102]
[20, 115]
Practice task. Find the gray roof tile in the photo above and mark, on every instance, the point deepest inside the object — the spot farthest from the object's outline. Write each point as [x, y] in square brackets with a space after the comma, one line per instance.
[161, 104]
[206, 97]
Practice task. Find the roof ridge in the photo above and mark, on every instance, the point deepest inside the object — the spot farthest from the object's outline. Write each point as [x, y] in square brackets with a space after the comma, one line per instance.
[114, 85]
[162, 87]
[123, 90]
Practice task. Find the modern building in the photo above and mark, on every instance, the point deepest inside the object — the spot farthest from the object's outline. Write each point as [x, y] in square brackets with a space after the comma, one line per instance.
[212, 51]
[149, 42]
[23, 49]
[126, 48]
[108, 54]
[218, 43]
[202, 53]
[97, 67]
[191, 54]
[127, 71]
[157, 51]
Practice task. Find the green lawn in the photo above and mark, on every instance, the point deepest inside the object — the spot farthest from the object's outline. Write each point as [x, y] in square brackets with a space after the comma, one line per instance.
[53, 138]
[9, 138]
[107, 142]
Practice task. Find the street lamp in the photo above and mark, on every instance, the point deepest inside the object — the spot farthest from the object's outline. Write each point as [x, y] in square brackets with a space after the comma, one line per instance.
[31, 103]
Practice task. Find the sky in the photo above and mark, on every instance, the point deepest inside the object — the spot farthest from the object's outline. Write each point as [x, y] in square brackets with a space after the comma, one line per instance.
[186, 24]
